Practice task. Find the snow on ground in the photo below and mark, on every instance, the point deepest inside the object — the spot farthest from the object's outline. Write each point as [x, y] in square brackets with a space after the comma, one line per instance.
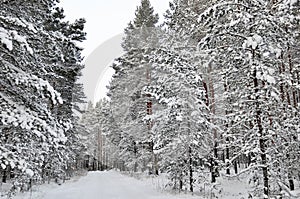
[114, 185]
[233, 188]
[102, 185]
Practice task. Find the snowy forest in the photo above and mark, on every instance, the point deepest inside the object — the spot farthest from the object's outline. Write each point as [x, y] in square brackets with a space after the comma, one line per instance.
[210, 92]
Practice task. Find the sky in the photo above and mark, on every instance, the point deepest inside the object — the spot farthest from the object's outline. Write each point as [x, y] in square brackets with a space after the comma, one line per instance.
[106, 20]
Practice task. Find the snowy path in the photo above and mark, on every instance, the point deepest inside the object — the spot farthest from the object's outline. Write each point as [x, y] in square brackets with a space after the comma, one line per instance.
[104, 185]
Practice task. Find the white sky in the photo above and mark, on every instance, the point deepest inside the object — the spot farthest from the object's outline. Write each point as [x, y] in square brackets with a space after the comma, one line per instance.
[105, 20]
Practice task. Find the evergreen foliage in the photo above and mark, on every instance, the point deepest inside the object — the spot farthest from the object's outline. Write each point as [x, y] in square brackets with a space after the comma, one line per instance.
[40, 63]
[223, 82]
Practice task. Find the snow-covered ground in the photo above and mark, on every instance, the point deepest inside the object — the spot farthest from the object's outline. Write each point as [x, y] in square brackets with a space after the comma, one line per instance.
[102, 185]
[114, 185]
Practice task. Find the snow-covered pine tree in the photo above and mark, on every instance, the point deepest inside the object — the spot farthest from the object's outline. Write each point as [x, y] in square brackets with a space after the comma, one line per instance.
[33, 135]
[141, 31]
[181, 22]
[181, 128]
[185, 32]
[65, 73]
[128, 103]
[28, 125]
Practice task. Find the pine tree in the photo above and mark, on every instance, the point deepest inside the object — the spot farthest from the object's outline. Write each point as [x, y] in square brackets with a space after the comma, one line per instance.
[35, 127]
[181, 124]
[131, 75]
[141, 30]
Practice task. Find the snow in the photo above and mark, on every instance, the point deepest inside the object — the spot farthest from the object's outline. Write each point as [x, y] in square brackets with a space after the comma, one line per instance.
[270, 79]
[232, 188]
[275, 50]
[234, 22]
[5, 39]
[104, 185]
[3, 166]
[253, 41]
[29, 172]
[291, 2]
[34, 81]
[21, 40]
[267, 78]
[114, 185]
[19, 22]
[12, 165]
[20, 117]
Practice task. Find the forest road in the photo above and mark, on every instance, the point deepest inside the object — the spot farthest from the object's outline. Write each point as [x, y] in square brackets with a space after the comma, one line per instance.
[106, 185]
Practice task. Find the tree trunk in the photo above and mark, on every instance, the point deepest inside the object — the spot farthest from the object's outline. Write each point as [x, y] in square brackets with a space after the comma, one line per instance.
[298, 79]
[281, 71]
[4, 176]
[227, 157]
[135, 156]
[154, 160]
[213, 168]
[294, 94]
[249, 160]
[291, 182]
[180, 183]
[227, 139]
[235, 165]
[213, 176]
[261, 135]
[191, 170]
[156, 165]
[206, 94]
